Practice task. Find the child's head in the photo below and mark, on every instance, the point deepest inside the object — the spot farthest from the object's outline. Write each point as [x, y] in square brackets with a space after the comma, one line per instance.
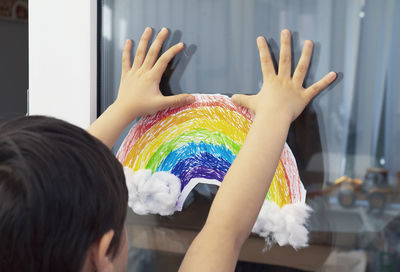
[61, 192]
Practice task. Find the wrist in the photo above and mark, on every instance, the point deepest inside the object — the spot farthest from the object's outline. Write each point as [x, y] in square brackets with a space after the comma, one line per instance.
[123, 113]
[278, 114]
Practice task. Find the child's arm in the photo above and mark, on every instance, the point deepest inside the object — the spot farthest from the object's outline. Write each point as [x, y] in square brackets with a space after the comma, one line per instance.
[139, 92]
[241, 195]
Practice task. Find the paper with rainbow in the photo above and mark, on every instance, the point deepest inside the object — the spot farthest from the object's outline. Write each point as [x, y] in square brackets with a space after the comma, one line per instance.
[167, 154]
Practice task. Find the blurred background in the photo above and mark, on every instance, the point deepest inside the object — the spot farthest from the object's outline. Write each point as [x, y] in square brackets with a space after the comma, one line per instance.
[13, 58]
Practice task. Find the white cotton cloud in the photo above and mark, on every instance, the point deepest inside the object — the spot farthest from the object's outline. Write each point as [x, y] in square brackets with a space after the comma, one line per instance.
[284, 226]
[152, 193]
[160, 193]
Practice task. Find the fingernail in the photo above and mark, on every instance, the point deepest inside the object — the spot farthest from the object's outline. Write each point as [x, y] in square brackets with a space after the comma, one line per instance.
[163, 30]
[332, 74]
[309, 43]
[286, 33]
[180, 44]
[147, 30]
[259, 39]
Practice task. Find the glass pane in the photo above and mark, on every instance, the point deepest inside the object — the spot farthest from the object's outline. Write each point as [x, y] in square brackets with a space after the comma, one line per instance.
[345, 142]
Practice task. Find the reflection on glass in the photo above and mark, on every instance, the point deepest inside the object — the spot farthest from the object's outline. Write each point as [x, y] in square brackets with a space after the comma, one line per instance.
[345, 142]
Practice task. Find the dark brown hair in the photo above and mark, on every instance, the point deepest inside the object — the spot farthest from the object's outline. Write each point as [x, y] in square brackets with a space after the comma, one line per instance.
[60, 190]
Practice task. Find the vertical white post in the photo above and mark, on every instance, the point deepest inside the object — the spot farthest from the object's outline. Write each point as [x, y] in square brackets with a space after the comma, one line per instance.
[63, 60]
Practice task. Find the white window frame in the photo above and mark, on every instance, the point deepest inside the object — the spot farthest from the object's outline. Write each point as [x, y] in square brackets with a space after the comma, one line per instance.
[63, 60]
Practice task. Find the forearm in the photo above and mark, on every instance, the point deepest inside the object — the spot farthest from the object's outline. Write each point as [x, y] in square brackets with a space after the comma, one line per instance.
[211, 251]
[241, 195]
[110, 125]
[246, 184]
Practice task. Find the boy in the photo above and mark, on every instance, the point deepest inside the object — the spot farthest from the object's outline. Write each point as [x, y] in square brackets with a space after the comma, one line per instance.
[63, 194]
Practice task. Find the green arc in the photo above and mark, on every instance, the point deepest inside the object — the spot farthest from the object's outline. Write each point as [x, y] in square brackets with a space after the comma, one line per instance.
[194, 136]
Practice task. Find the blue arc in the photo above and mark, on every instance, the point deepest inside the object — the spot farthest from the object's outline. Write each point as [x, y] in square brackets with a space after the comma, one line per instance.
[216, 155]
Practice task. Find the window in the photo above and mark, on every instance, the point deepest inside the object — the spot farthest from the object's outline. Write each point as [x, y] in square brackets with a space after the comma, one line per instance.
[345, 142]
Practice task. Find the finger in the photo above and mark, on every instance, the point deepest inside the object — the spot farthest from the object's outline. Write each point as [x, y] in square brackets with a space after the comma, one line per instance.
[267, 67]
[162, 62]
[241, 100]
[284, 67]
[126, 57]
[155, 49]
[177, 100]
[142, 48]
[304, 62]
[317, 87]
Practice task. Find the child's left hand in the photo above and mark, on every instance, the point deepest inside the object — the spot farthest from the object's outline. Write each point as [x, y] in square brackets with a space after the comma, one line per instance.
[139, 93]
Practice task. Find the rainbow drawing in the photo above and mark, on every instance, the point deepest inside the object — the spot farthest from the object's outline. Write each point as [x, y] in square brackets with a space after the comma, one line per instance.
[194, 144]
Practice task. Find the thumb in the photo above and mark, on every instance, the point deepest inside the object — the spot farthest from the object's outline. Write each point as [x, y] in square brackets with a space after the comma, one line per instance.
[178, 100]
[241, 100]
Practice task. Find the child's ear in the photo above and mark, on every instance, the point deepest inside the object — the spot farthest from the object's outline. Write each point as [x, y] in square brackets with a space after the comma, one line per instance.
[98, 253]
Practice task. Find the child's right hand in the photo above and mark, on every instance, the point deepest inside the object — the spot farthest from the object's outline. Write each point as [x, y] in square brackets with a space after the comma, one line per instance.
[282, 94]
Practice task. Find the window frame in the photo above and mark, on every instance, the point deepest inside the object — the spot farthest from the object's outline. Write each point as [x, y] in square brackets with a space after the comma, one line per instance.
[63, 46]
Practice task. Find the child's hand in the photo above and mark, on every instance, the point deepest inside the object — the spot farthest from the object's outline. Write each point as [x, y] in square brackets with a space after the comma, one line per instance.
[281, 93]
[139, 92]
